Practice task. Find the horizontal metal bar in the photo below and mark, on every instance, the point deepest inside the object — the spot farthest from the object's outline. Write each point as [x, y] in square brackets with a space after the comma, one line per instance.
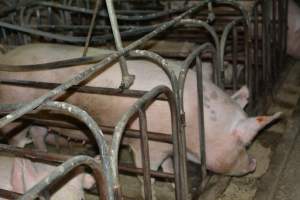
[57, 159]
[82, 89]
[45, 121]
[9, 194]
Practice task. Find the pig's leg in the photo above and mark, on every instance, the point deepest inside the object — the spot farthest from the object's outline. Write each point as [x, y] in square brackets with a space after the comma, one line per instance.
[38, 135]
[167, 167]
[21, 139]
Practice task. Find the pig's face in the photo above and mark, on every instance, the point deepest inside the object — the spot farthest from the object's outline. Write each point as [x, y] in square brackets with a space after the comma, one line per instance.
[240, 163]
[229, 156]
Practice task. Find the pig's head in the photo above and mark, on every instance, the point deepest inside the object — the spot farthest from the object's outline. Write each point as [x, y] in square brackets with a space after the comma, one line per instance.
[232, 157]
[25, 174]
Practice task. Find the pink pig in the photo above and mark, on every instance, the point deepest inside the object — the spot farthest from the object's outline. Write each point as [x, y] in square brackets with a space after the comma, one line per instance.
[228, 128]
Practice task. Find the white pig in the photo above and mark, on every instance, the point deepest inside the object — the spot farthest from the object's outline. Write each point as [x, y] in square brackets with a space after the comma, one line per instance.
[228, 129]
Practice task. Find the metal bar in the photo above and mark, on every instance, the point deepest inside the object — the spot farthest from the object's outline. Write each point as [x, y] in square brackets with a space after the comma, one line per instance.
[97, 7]
[145, 154]
[33, 154]
[201, 120]
[234, 58]
[9, 194]
[127, 79]
[61, 171]
[56, 159]
[54, 65]
[77, 88]
[75, 39]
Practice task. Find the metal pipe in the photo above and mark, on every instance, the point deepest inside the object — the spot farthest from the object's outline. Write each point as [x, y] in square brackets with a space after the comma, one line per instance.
[127, 79]
[145, 154]
[97, 7]
[201, 120]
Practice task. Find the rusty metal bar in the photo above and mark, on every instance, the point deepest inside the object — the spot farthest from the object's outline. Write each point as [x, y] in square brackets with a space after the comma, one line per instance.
[201, 121]
[33, 154]
[234, 57]
[97, 7]
[54, 65]
[77, 88]
[75, 39]
[145, 154]
[59, 158]
[127, 79]
[59, 172]
[9, 194]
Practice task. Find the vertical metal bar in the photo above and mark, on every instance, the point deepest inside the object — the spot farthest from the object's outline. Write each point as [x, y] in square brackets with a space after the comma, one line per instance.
[234, 57]
[248, 63]
[127, 79]
[38, 16]
[256, 52]
[201, 119]
[145, 154]
[264, 45]
[50, 16]
[274, 58]
[87, 42]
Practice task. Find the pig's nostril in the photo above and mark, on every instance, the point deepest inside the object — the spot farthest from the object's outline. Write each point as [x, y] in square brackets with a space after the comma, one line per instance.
[252, 164]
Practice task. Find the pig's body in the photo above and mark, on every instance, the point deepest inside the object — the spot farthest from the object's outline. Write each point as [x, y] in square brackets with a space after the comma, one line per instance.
[228, 130]
[19, 175]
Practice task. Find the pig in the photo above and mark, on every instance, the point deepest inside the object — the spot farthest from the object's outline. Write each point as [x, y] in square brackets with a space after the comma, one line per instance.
[293, 33]
[19, 175]
[228, 128]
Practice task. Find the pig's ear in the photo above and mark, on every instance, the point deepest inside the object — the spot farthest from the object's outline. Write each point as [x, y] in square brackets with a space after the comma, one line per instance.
[241, 96]
[247, 129]
[23, 175]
